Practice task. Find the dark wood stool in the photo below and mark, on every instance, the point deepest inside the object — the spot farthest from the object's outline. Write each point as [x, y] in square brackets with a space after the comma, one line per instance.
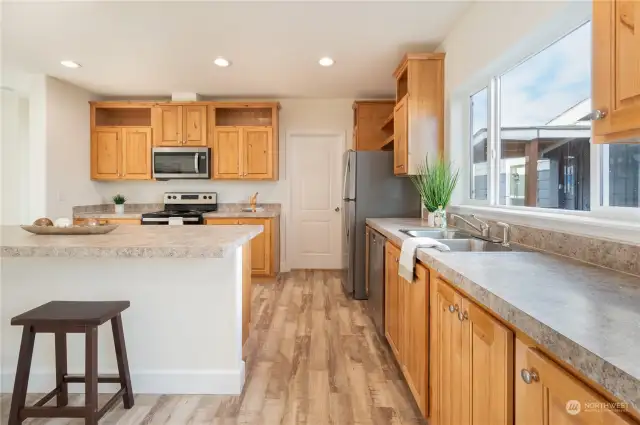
[61, 318]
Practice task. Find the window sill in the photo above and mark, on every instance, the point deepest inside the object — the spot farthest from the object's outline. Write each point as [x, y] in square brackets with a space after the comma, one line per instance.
[583, 223]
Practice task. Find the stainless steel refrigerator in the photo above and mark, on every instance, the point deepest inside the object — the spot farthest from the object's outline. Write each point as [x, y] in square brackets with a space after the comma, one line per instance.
[370, 190]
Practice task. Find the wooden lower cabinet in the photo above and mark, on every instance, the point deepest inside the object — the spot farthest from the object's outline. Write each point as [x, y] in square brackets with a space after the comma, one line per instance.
[265, 247]
[548, 395]
[406, 324]
[471, 362]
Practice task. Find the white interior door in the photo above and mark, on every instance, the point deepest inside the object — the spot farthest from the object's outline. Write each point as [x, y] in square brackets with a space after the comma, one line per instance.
[315, 164]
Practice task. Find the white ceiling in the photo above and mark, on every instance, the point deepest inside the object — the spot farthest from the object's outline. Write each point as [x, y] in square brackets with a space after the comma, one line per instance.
[157, 48]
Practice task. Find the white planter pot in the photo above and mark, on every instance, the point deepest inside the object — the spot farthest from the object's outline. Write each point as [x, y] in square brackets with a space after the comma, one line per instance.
[119, 208]
[431, 219]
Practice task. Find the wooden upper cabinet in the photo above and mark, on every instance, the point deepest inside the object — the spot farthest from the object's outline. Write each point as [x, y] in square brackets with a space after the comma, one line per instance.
[167, 125]
[248, 134]
[400, 140]
[487, 361]
[616, 71]
[548, 395]
[257, 152]
[227, 151]
[194, 126]
[368, 118]
[136, 153]
[420, 85]
[105, 153]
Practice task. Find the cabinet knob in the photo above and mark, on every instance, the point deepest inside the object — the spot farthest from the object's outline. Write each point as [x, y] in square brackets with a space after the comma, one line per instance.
[453, 308]
[529, 376]
[463, 316]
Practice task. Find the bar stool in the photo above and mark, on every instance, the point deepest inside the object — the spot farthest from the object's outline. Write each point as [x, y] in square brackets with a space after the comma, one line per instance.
[61, 318]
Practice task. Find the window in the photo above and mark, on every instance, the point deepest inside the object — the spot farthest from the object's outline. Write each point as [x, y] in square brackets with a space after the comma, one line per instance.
[620, 176]
[532, 117]
[479, 145]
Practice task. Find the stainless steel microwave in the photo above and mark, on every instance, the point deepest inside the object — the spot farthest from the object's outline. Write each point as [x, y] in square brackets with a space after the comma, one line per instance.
[181, 163]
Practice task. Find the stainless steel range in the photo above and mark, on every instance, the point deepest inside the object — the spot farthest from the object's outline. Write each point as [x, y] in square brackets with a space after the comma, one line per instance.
[183, 208]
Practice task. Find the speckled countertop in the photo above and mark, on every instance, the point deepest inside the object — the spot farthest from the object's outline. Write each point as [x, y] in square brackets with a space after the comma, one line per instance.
[585, 315]
[135, 211]
[131, 242]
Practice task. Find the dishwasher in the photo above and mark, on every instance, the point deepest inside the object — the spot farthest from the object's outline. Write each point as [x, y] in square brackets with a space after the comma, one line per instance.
[375, 304]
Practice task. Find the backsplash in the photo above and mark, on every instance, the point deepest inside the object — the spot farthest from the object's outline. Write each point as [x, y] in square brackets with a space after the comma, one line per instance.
[601, 252]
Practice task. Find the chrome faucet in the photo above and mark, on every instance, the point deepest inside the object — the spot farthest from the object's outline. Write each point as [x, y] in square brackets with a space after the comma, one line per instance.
[483, 227]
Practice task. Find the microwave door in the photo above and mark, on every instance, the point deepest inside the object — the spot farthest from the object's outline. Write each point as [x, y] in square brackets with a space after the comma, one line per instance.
[180, 163]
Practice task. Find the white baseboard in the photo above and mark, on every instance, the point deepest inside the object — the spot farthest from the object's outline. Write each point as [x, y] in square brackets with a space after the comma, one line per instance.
[227, 382]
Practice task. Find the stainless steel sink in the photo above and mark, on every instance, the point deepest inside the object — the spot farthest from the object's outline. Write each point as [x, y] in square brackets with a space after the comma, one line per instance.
[432, 233]
[477, 245]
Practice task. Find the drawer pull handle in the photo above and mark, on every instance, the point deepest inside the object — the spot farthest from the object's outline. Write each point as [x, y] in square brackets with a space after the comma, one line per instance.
[529, 376]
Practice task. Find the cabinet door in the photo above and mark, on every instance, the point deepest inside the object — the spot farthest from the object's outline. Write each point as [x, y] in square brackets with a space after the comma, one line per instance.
[227, 152]
[400, 138]
[392, 299]
[167, 125]
[416, 336]
[105, 153]
[553, 396]
[195, 125]
[261, 254]
[446, 355]
[136, 153]
[257, 152]
[487, 368]
[616, 73]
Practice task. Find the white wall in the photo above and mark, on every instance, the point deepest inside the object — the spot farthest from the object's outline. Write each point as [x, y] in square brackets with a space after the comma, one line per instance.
[68, 149]
[15, 158]
[490, 38]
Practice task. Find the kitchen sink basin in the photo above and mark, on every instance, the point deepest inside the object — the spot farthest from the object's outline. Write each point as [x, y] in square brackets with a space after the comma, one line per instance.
[477, 245]
[432, 233]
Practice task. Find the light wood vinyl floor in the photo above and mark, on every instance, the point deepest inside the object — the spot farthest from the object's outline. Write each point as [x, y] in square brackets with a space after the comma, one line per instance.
[313, 358]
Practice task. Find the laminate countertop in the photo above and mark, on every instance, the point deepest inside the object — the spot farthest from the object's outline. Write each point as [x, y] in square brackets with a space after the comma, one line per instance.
[135, 211]
[587, 316]
[131, 242]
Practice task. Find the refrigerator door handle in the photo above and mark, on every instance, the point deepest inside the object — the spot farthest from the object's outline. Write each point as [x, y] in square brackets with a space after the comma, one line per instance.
[347, 167]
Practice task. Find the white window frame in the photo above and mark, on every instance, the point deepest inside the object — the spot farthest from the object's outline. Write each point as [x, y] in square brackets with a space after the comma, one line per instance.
[621, 223]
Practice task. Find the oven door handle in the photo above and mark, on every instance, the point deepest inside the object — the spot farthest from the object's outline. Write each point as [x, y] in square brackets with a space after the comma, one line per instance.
[195, 163]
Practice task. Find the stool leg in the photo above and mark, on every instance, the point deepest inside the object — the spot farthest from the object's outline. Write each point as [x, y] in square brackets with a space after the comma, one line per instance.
[61, 369]
[22, 375]
[91, 376]
[123, 362]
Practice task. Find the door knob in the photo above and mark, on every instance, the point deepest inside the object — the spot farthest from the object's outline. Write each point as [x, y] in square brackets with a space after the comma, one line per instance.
[529, 376]
[337, 209]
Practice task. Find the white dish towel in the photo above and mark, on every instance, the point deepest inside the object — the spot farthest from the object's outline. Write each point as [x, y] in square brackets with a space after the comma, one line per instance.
[408, 254]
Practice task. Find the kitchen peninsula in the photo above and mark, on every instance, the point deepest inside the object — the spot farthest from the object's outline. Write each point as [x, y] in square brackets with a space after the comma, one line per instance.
[189, 288]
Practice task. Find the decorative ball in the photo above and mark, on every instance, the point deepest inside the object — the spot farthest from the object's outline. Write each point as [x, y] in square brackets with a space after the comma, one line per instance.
[44, 221]
[63, 222]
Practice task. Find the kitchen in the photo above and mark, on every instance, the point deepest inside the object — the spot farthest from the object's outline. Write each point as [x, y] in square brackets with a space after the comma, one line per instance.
[305, 368]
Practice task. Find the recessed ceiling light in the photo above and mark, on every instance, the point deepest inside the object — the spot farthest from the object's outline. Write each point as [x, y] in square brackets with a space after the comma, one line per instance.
[326, 61]
[70, 64]
[222, 62]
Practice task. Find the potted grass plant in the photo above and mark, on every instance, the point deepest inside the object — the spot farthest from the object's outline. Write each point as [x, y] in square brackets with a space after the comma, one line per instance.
[435, 182]
[119, 201]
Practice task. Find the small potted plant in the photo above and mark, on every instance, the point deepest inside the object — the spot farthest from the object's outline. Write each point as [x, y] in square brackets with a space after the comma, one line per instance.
[435, 183]
[119, 201]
